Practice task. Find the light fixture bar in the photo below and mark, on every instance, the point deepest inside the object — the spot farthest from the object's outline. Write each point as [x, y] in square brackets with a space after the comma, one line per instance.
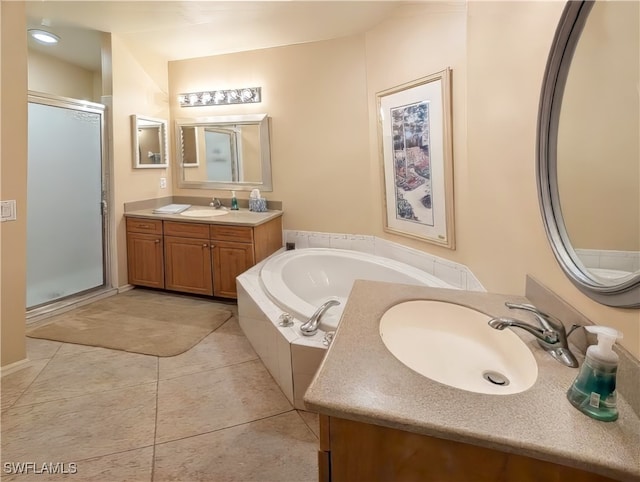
[247, 95]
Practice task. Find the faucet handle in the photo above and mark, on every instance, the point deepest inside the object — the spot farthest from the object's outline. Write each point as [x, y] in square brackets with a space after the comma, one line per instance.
[546, 321]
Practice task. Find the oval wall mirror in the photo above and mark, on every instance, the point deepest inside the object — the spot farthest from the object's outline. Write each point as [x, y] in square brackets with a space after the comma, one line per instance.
[588, 159]
[149, 142]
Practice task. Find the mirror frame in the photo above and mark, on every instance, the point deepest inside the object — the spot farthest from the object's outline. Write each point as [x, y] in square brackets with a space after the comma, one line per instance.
[265, 152]
[135, 144]
[625, 294]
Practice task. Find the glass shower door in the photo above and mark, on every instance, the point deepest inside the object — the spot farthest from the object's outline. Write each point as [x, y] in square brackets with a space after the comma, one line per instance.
[65, 226]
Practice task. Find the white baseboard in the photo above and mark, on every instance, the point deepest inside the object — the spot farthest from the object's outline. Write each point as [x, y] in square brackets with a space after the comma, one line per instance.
[123, 288]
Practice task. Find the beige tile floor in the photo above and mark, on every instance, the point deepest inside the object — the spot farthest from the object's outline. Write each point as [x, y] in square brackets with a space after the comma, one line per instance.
[212, 413]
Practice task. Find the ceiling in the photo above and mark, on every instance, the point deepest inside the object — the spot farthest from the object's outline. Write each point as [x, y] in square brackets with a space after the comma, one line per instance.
[176, 30]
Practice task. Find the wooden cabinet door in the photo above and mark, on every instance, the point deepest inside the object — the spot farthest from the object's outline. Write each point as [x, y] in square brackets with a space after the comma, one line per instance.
[188, 265]
[144, 260]
[229, 260]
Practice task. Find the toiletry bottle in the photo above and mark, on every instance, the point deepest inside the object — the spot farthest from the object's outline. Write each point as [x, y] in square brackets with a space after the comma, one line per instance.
[234, 201]
[594, 390]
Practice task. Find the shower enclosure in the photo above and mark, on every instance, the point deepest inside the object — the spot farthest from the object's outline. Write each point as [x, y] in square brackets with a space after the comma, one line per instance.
[66, 200]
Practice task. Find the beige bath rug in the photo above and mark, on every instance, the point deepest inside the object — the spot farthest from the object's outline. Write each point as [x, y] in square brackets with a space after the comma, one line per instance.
[138, 321]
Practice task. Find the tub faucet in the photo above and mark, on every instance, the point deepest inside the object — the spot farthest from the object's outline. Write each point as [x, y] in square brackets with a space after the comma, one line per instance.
[311, 326]
[551, 334]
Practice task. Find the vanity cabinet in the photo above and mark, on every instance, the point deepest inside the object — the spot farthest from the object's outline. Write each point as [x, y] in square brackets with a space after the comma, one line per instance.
[187, 258]
[145, 257]
[199, 258]
[355, 451]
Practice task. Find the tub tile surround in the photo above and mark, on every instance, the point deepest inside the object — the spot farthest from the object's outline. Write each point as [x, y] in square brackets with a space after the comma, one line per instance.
[453, 273]
[293, 359]
[610, 259]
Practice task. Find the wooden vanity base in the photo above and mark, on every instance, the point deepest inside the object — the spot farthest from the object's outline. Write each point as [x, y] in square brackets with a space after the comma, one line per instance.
[354, 451]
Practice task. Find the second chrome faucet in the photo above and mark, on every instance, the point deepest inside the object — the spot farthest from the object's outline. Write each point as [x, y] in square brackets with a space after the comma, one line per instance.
[311, 326]
[551, 333]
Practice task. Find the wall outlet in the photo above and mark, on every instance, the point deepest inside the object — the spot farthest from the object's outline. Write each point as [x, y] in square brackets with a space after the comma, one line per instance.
[290, 246]
[163, 183]
[8, 210]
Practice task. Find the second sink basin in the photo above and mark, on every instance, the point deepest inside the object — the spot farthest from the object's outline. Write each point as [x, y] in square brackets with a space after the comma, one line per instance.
[454, 345]
[203, 212]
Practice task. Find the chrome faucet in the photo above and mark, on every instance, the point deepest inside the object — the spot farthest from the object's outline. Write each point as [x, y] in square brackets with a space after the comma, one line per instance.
[311, 326]
[215, 203]
[551, 333]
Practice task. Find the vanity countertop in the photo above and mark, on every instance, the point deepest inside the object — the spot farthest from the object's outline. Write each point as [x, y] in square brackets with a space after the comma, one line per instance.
[361, 380]
[241, 217]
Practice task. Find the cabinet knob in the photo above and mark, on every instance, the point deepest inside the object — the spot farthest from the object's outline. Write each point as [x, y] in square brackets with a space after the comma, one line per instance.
[205, 245]
[212, 246]
[157, 241]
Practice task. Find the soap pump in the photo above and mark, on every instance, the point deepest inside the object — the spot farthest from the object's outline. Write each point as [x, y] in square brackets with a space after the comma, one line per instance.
[234, 201]
[594, 390]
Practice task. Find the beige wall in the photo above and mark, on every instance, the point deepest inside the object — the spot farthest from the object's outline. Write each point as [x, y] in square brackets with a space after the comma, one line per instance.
[416, 42]
[13, 174]
[598, 142]
[325, 163]
[138, 88]
[315, 96]
[54, 76]
[507, 48]
[497, 51]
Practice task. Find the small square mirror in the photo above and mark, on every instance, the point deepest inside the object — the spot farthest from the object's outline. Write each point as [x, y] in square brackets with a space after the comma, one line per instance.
[149, 142]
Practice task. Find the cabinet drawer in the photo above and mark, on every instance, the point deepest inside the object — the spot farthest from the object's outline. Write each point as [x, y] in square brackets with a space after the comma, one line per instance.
[140, 225]
[242, 234]
[186, 230]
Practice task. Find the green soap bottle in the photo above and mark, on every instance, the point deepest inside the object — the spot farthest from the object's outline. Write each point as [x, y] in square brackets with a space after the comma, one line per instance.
[594, 390]
[234, 201]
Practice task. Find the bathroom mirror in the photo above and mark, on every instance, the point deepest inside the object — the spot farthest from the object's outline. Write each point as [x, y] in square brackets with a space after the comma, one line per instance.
[149, 142]
[588, 159]
[224, 152]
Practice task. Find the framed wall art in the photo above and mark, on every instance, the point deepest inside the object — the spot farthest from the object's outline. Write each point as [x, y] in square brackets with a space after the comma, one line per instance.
[414, 129]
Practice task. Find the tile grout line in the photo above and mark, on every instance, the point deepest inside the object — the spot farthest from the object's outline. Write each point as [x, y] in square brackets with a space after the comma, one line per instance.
[32, 381]
[209, 369]
[155, 425]
[226, 428]
[305, 422]
[79, 396]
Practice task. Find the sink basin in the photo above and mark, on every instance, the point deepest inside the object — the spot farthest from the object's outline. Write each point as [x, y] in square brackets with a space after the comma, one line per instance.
[203, 212]
[454, 345]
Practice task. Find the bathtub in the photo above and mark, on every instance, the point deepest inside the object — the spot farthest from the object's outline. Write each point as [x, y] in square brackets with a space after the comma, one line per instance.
[299, 281]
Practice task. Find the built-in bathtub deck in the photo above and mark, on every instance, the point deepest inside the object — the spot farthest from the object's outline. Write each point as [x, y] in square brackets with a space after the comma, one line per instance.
[291, 358]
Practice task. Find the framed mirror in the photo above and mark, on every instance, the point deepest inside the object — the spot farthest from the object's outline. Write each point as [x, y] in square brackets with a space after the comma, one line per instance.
[588, 159]
[149, 142]
[224, 152]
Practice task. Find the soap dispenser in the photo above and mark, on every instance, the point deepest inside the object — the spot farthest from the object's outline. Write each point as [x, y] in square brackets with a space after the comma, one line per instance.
[234, 201]
[594, 390]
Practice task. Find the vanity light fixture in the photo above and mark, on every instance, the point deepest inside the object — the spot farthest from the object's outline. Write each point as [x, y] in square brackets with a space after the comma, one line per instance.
[247, 95]
[43, 36]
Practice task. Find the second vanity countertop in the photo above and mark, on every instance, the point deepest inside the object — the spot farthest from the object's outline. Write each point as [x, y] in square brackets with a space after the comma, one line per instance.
[361, 380]
[241, 217]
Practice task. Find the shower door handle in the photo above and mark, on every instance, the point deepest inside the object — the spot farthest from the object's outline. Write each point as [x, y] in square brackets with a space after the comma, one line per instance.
[103, 207]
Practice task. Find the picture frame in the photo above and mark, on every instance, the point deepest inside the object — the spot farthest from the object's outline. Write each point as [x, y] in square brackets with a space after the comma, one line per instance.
[416, 152]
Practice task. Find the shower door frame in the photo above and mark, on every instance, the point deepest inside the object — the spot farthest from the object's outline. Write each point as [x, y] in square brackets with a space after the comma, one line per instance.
[106, 289]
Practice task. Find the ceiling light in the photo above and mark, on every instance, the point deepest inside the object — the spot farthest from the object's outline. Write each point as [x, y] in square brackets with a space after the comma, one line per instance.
[43, 36]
